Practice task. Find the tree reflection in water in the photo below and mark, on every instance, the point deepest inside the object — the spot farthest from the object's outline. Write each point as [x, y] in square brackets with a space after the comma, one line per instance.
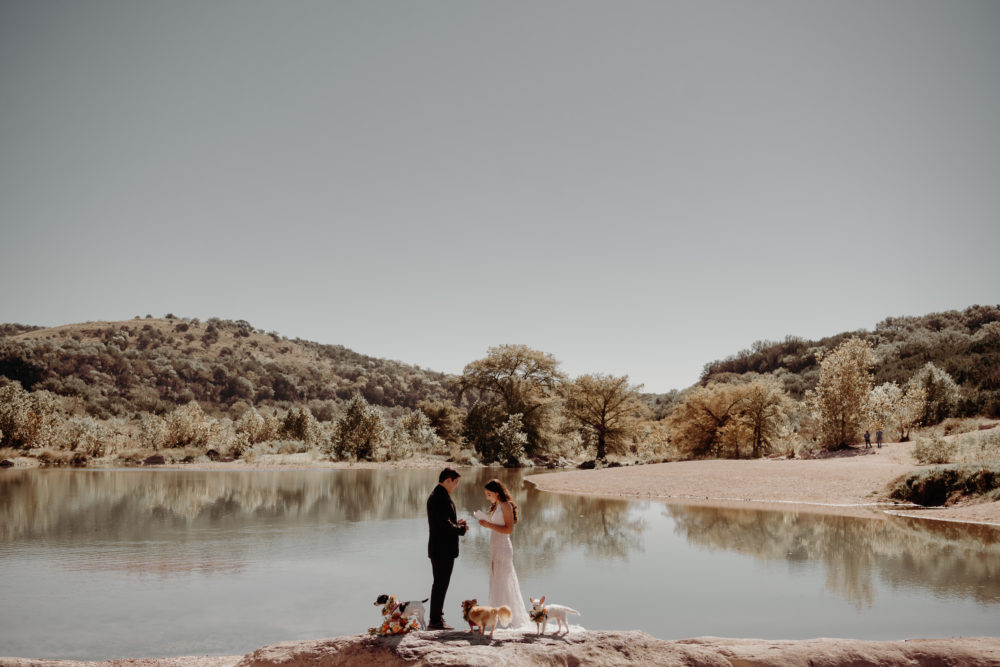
[171, 508]
[904, 553]
[167, 520]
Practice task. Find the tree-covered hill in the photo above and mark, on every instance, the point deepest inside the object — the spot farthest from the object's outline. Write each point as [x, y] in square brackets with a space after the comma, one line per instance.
[155, 365]
[965, 344]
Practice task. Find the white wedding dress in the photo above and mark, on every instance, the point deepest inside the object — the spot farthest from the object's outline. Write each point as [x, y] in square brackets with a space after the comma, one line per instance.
[504, 587]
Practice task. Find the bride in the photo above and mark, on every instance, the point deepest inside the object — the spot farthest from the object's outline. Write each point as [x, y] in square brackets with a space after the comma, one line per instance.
[504, 587]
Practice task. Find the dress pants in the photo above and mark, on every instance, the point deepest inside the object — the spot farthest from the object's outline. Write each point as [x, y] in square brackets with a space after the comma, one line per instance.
[442, 568]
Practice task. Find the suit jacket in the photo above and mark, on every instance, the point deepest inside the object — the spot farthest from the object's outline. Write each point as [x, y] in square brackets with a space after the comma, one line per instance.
[443, 523]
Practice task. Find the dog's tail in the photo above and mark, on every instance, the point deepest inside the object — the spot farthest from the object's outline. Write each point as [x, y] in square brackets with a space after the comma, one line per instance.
[504, 615]
[572, 611]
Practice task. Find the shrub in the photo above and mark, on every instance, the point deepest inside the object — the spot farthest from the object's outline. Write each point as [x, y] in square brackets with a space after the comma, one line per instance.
[253, 426]
[360, 432]
[55, 458]
[86, 435]
[941, 393]
[299, 424]
[25, 417]
[419, 431]
[481, 424]
[511, 440]
[445, 418]
[933, 449]
[187, 426]
[934, 487]
[981, 447]
[398, 444]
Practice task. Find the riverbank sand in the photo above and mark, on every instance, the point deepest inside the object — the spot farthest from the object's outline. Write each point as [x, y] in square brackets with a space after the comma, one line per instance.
[848, 483]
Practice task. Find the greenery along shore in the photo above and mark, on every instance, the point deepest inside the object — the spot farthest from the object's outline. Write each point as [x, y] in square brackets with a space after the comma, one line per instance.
[187, 389]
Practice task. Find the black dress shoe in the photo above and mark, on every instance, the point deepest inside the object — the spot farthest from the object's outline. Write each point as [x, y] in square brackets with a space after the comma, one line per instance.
[439, 625]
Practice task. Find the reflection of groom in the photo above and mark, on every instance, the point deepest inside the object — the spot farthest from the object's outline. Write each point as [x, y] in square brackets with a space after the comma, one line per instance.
[442, 545]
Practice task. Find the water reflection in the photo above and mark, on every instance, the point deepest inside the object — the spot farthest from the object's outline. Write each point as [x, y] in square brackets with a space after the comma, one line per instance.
[198, 562]
[904, 553]
[179, 521]
[167, 514]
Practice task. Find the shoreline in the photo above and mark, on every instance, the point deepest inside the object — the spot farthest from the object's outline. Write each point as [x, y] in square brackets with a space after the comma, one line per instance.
[852, 485]
[847, 483]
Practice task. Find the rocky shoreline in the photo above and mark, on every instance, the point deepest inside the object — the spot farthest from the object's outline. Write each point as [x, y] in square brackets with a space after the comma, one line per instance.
[579, 647]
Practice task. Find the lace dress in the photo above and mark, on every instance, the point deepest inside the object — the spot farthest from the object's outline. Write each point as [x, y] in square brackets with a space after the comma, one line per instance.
[504, 587]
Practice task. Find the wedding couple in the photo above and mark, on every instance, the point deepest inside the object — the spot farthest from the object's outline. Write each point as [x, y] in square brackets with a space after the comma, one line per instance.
[442, 547]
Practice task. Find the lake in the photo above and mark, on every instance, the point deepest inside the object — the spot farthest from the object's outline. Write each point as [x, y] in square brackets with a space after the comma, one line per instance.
[125, 563]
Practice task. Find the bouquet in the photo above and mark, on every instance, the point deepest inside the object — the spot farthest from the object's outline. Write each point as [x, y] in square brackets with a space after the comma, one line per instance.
[393, 622]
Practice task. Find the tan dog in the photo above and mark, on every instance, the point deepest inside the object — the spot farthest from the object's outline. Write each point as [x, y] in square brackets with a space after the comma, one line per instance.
[476, 615]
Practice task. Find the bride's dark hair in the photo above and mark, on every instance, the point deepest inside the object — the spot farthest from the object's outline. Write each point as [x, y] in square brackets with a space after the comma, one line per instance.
[503, 495]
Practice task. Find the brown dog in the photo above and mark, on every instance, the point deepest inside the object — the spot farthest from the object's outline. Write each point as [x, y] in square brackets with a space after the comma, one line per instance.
[481, 616]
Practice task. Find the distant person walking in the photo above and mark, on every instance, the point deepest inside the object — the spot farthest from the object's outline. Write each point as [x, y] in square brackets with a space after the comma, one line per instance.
[868, 440]
[878, 438]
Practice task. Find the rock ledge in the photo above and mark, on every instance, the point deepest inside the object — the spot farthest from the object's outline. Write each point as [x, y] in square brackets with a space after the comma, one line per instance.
[583, 647]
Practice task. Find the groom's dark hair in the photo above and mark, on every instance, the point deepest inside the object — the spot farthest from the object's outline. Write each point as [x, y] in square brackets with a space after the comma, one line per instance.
[448, 473]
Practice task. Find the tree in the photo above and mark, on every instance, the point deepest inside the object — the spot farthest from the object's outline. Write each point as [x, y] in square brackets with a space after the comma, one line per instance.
[445, 418]
[698, 423]
[187, 426]
[420, 432]
[299, 424]
[890, 407]
[24, 417]
[511, 440]
[941, 393]
[764, 413]
[606, 406]
[360, 432]
[521, 381]
[839, 398]
[732, 420]
[481, 424]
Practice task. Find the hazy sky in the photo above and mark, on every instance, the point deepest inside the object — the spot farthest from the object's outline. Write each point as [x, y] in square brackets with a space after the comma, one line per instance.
[634, 187]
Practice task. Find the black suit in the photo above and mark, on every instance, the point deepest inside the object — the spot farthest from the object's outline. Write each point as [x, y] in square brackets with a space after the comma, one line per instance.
[442, 545]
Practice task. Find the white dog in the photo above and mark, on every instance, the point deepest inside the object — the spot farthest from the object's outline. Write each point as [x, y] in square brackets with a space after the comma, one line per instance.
[408, 609]
[541, 613]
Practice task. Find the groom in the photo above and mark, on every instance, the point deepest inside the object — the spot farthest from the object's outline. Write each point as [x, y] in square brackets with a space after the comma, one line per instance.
[442, 545]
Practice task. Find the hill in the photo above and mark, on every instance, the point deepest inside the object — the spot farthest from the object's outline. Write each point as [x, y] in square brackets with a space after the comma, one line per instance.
[965, 344]
[155, 365]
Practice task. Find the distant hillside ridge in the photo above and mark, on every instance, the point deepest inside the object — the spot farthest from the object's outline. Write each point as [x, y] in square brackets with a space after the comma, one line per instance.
[156, 364]
[965, 344]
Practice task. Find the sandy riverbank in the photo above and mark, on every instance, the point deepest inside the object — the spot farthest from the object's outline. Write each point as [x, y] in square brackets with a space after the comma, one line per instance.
[852, 483]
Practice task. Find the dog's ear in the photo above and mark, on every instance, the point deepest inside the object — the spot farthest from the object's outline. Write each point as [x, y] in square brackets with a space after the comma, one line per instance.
[542, 601]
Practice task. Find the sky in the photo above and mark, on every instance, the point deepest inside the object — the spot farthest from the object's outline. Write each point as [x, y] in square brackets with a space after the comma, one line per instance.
[635, 187]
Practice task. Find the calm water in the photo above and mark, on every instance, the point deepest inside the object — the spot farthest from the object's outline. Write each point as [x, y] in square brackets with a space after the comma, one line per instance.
[102, 564]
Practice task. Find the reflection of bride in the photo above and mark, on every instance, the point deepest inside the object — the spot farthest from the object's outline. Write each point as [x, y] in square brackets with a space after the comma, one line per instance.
[504, 587]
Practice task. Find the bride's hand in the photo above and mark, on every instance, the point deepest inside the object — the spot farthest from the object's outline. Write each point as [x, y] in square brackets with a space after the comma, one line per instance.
[484, 523]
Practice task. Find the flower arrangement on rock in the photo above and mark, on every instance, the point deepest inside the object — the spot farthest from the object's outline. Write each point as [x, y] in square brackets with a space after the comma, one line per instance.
[538, 615]
[393, 622]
